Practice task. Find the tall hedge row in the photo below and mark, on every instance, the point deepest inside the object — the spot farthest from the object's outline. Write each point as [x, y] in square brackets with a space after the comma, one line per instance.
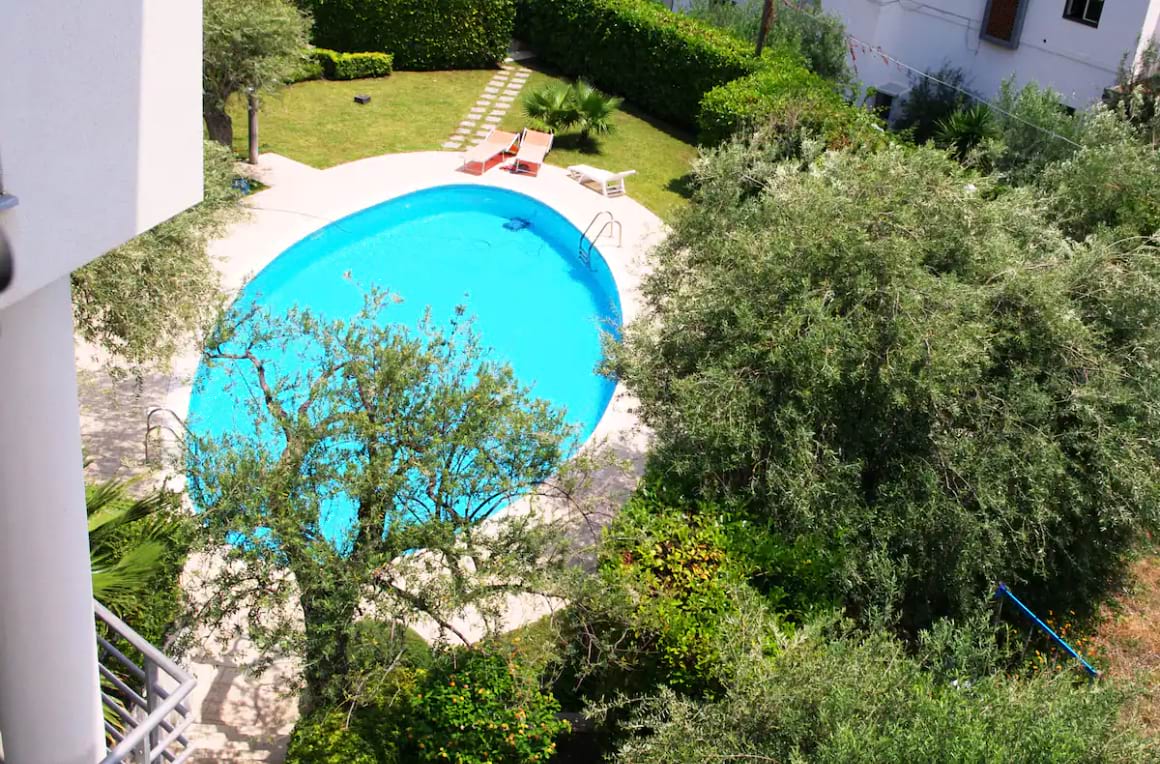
[421, 34]
[790, 97]
[663, 62]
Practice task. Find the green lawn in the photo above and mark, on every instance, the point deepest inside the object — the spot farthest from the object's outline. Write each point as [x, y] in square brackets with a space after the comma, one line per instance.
[660, 154]
[319, 123]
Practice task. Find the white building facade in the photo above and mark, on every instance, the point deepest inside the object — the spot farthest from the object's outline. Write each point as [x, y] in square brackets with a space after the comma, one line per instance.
[100, 139]
[1072, 46]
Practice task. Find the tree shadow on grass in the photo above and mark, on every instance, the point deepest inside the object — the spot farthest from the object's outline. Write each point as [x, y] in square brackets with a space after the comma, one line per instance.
[682, 186]
[589, 145]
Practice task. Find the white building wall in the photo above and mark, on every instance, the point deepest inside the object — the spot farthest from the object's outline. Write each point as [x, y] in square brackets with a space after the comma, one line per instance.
[100, 139]
[100, 126]
[1077, 60]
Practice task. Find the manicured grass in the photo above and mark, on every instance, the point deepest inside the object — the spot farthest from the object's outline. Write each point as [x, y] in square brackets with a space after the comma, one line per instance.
[661, 155]
[319, 123]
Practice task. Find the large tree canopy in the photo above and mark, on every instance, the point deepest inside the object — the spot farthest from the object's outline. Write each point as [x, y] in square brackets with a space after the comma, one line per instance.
[414, 432]
[890, 352]
[248, 45]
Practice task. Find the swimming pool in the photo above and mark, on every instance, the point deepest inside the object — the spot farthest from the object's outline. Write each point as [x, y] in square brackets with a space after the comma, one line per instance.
[502, 258]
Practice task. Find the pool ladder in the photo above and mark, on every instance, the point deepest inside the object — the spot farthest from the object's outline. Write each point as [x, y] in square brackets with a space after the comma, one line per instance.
[586, 245]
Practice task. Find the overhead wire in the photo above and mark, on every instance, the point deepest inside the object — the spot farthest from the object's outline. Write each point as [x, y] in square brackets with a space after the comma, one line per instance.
[878, 51]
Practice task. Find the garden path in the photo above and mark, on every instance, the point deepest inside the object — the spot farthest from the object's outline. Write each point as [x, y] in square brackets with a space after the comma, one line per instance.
[491, 106]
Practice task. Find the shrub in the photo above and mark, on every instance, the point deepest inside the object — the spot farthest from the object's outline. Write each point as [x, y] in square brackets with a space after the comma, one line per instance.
[311, 68]
[558, 107]
[1035, 130]
[788, 97]
[351, 66]
[663, 62]
[337, 736]
[930, 102]
[962, 131]
[480, 707]
[856, 698]
[889, 350]
[655, 609]
[422, 35]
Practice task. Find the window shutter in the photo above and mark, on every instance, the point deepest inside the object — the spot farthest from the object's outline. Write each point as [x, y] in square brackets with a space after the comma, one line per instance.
[1003, 20]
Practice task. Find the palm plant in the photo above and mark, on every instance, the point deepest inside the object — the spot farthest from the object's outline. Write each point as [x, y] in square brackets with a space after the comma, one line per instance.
[128, 542]
[965, 129]
[551, 107]
[594, 109]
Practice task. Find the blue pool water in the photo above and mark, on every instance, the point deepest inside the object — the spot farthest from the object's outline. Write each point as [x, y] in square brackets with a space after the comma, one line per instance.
[508, 260]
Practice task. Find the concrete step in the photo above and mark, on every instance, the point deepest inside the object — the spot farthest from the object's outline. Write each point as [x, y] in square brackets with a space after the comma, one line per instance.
[214, 743]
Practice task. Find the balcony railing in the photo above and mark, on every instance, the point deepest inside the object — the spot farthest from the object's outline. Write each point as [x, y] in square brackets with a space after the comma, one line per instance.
[146, 714]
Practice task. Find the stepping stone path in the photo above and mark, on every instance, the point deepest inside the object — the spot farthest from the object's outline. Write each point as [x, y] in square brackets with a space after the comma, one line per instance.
[497, 97]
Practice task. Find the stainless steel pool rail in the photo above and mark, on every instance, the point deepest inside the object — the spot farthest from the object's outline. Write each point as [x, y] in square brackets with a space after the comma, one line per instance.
[586, 245]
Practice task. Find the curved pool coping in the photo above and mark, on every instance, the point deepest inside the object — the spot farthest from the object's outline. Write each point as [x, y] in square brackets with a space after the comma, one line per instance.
[300, 200]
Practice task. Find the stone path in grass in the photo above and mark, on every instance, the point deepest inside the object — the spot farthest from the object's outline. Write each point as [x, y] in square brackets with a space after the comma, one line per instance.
[499, 96]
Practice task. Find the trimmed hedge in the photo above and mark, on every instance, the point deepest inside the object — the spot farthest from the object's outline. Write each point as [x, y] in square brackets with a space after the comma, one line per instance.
[352, 66]
[421, 34]
[661, 61]
[786, 93]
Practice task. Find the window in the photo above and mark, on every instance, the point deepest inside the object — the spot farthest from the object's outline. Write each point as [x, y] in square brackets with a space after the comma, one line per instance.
[1084, 11]
[1002, 22]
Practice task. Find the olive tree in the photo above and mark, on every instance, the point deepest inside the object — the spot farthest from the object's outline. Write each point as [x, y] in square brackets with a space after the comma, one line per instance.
[250, 47]
[414, 435]
[144, 300]
[891, 353]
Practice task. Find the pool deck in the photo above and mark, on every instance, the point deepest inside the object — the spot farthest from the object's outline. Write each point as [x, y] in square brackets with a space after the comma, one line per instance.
[247, 718]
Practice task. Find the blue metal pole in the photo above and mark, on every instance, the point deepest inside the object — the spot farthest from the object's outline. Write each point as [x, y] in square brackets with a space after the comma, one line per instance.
[1003, 591]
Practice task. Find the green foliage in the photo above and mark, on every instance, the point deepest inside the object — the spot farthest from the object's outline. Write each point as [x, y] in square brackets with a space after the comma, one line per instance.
[256, 45]
[1137, 91]
[144, 300]
[887, 350]
[340, 736]
[351, 66]
[818, 37]
[1036, 130]
[786, 98]
[1108, 184]
[551, 107]
[392, 420]
[557, 107]
[929, 102]
[422, 35]
[653, 614]
[137, 548]
[850, 697]
[661, 61]
[478, 707]
[962, 131]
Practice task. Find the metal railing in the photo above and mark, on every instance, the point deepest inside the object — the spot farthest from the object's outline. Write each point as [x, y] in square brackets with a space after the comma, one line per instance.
[151, 720]
[612, 225]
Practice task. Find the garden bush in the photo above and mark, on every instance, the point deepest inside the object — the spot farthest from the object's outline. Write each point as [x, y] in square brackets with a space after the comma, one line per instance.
[351, 66]
[422, 35]
[890, 349]
[929, 102]
[477, 707]
[842, 698]
[339, 736]
[661, 61]
[653, 612]
[788, 97]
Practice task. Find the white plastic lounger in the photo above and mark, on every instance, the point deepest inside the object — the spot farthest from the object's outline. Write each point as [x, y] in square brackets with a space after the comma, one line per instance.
[609, 183]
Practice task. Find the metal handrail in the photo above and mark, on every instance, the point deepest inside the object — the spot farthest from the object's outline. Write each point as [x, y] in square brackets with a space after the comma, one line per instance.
[144, 743]
[585, 254]
[150, 428]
